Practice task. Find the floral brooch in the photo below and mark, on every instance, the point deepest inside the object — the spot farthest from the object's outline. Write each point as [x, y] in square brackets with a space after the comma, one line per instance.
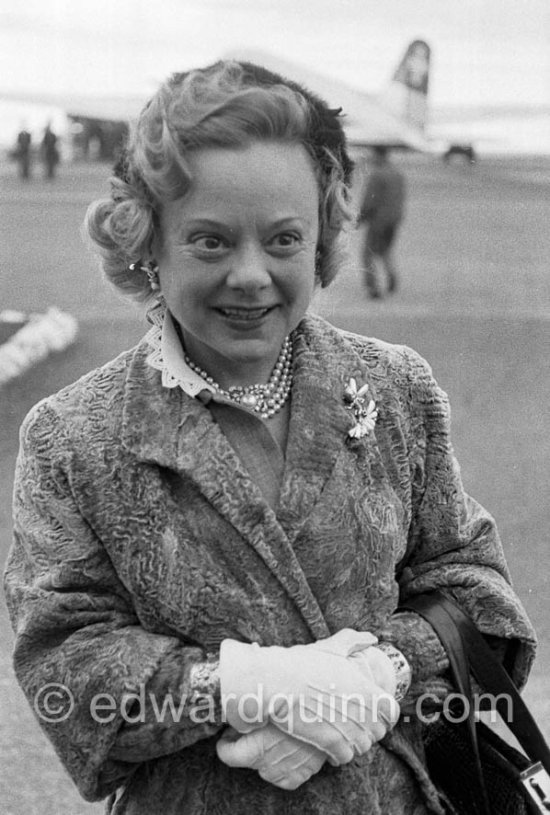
[365, 416]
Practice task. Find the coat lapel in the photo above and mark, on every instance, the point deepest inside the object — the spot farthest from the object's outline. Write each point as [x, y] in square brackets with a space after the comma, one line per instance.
[320, 421]
[173, 430]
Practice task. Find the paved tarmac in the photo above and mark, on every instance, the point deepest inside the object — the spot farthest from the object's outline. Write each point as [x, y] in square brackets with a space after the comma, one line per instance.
[474, 300]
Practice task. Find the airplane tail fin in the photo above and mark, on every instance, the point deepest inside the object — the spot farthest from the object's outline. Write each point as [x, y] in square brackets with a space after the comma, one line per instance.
[407, 93]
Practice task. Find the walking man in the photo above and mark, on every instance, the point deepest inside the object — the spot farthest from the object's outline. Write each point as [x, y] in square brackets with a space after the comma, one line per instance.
[382, 210]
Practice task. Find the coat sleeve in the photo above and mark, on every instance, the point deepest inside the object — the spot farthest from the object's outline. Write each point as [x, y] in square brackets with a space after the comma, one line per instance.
[84, 662]
[453, 544]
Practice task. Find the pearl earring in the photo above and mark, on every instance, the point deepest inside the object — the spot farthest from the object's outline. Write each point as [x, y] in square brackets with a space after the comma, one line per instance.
[151, 269]
[152, 272]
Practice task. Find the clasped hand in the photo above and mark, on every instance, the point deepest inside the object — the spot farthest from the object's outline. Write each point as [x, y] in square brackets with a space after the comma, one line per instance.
[302, 705]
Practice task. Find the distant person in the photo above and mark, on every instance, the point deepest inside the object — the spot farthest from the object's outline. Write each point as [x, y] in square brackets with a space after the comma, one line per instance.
[49, 152]
[23, 153]
[382, 209]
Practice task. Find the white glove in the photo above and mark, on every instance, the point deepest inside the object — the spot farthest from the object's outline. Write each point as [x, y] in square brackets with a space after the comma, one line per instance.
[371, 661]
[279, 758]
[314, 692]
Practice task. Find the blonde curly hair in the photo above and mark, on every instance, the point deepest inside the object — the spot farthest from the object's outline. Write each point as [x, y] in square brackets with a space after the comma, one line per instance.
[228, 104]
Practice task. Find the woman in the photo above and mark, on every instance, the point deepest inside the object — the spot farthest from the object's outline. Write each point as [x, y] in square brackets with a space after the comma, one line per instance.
[214, 531]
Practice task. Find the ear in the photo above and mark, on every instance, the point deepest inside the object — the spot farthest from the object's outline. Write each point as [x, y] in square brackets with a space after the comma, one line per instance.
[155, 247]
[318, 266]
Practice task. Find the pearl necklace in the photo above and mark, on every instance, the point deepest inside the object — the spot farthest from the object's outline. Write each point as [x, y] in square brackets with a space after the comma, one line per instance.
[267, 400]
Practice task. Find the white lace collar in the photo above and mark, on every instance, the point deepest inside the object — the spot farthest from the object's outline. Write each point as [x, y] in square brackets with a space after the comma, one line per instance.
[167, 356]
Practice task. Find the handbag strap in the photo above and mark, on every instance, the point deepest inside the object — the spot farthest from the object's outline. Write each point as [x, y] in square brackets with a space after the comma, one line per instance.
[445, 616]
[430, 607]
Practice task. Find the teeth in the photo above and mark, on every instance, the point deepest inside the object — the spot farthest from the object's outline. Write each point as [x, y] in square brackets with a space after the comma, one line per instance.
[244, 313]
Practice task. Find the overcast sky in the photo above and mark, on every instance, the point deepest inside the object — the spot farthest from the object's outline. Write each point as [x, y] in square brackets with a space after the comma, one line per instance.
[484, 51]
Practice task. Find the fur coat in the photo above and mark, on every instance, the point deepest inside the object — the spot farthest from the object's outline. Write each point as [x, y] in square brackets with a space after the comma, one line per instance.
[141, 542]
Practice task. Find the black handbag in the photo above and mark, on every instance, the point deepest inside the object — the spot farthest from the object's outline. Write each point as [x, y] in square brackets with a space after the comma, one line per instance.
[478, 772]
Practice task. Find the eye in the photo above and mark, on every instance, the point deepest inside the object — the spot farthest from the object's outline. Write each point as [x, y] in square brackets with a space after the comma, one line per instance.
[209, 245]
[286, 242]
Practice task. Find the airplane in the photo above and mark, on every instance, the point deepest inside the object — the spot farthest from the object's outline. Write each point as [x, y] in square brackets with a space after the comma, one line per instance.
[396, 117]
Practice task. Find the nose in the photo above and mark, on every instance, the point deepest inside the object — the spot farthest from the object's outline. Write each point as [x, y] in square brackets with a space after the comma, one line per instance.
[249, 269]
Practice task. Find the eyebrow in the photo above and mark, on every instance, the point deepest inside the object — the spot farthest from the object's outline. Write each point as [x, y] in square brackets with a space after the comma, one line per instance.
[292, 219]
[208, 222]
[199, 223]
[213, 224]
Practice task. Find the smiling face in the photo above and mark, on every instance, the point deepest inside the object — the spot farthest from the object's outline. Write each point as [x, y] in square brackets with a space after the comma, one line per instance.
[237, 262]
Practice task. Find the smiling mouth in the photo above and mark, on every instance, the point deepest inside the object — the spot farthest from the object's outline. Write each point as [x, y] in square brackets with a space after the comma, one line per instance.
[245, 313]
